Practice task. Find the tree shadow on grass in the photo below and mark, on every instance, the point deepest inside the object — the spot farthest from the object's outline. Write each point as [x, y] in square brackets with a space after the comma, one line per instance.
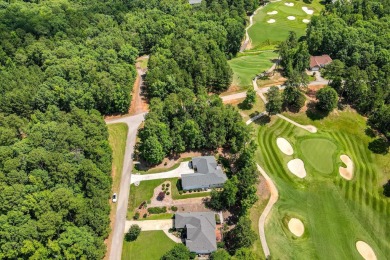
[265, 119]
[314, 113]
[379, 146]
[244, 106]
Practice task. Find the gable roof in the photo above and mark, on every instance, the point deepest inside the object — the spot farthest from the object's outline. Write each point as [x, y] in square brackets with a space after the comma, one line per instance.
[207, 173]
[200, 230]
[192, 2]
[320, 61]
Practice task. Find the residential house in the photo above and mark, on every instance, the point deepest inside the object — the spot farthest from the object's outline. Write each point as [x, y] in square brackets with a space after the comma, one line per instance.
[199, 231]
[318, 62]
[208, 174]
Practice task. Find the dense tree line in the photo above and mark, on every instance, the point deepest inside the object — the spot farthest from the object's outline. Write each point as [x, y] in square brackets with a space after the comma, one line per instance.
[355, 34]
[54, 184]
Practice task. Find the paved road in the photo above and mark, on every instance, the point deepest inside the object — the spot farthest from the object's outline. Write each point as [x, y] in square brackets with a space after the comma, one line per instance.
[133, 123]
[175, 173]
[272, 200]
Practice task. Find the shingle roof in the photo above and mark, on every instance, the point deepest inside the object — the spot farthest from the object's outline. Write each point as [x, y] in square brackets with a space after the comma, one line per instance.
[192, 2]
[200, 230]
[207, 173]
[320, 61]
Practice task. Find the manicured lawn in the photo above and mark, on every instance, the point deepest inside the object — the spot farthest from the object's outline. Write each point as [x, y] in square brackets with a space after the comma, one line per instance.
[117, 139]
[245, 68]
[265, 34]
[336, 212]
[319, 153]
[257, 108]
[158, 216]
[149, 245]
[162, 169]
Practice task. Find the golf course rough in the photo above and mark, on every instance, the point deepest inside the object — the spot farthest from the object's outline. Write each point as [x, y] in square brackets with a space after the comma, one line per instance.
[336, 213]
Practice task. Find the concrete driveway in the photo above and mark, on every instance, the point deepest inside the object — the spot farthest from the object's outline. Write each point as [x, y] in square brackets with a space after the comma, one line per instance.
[148, 225]
[183, 168]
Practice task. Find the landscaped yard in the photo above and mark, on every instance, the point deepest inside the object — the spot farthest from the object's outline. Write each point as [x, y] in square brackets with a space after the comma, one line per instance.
[245, 68]
[264, 34]
[336, 213]
[148, 246]
[161, 169]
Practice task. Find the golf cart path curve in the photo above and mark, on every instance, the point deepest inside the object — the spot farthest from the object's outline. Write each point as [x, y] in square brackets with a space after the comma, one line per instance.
[272, 200]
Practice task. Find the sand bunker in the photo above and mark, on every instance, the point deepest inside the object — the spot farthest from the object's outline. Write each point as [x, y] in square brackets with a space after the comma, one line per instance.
[346, 173]
[271, 21]
[272, 13]
[284, 146]
[296, 227]
[307, 10]
[365, 250]
[291, 18]
[306, 20]
[297, 168]
[289, 4]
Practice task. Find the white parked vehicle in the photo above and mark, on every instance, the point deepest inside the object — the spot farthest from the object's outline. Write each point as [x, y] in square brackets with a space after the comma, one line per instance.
[114, 197]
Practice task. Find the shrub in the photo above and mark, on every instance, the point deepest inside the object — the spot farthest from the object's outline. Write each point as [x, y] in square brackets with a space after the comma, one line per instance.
[217, 219]
[174, 208]
[136, 216]
[163, 186]
[145, 215]
[157, 210]
[180, 192]
[168, 185]
[133, 233]
[168, 193]
[190, 191]
[161, 196]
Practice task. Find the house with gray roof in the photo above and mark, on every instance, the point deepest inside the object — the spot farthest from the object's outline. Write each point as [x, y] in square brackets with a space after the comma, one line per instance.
[200, 231]
[208, 174]
[194, 2]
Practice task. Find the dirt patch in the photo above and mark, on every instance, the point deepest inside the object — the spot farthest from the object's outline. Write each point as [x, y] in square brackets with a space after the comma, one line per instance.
[284, 146]
[346, 173]
[365, 250]
[296, 227]
[297, 167]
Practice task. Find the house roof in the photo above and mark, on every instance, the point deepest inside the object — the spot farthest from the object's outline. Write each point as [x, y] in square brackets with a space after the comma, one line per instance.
[207, 173]
[320, 61]
[192, 2]
[200, 230]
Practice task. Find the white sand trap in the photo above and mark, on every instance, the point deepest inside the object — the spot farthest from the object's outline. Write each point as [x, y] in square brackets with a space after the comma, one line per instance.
[272, 13]
[289, 4]
[346, 173]
[306, 20]
[297, 168]
[296, 227]
[271, 21]
[307, 10]
[284, 146]
[291, 18]
[365, 250]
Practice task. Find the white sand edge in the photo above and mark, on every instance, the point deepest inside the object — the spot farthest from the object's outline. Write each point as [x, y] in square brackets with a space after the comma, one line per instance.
[284, 146]
[365, 250]
[346, 173]
[306, 20]
[291, 18]
[271, 21]
[307, 10]
[296, 227]
[272, 13]
[297, 167]
[289, 4]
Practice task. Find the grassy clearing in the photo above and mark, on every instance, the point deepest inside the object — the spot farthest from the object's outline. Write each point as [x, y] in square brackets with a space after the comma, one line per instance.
[336, 213]
[245, 68]
[162, 169]
[149, 245]
[158, 216]
[265, 34]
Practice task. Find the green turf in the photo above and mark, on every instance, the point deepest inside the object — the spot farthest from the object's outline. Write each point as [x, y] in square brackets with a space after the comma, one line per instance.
[245, 68]
[336, 213]
[265, 34]
[149, 245]
[158, 216]
[117, 139]
[319, 153]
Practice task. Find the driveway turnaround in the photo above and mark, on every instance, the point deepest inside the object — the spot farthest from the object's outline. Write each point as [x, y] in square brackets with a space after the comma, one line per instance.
[183, 168]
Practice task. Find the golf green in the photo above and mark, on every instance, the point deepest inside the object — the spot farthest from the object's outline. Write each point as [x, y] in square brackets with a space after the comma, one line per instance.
[318, 153]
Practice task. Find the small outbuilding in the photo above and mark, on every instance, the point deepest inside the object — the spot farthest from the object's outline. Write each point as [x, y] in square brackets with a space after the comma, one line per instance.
[318, 62]
[208, 174]
[194, 2]
[199, 231]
